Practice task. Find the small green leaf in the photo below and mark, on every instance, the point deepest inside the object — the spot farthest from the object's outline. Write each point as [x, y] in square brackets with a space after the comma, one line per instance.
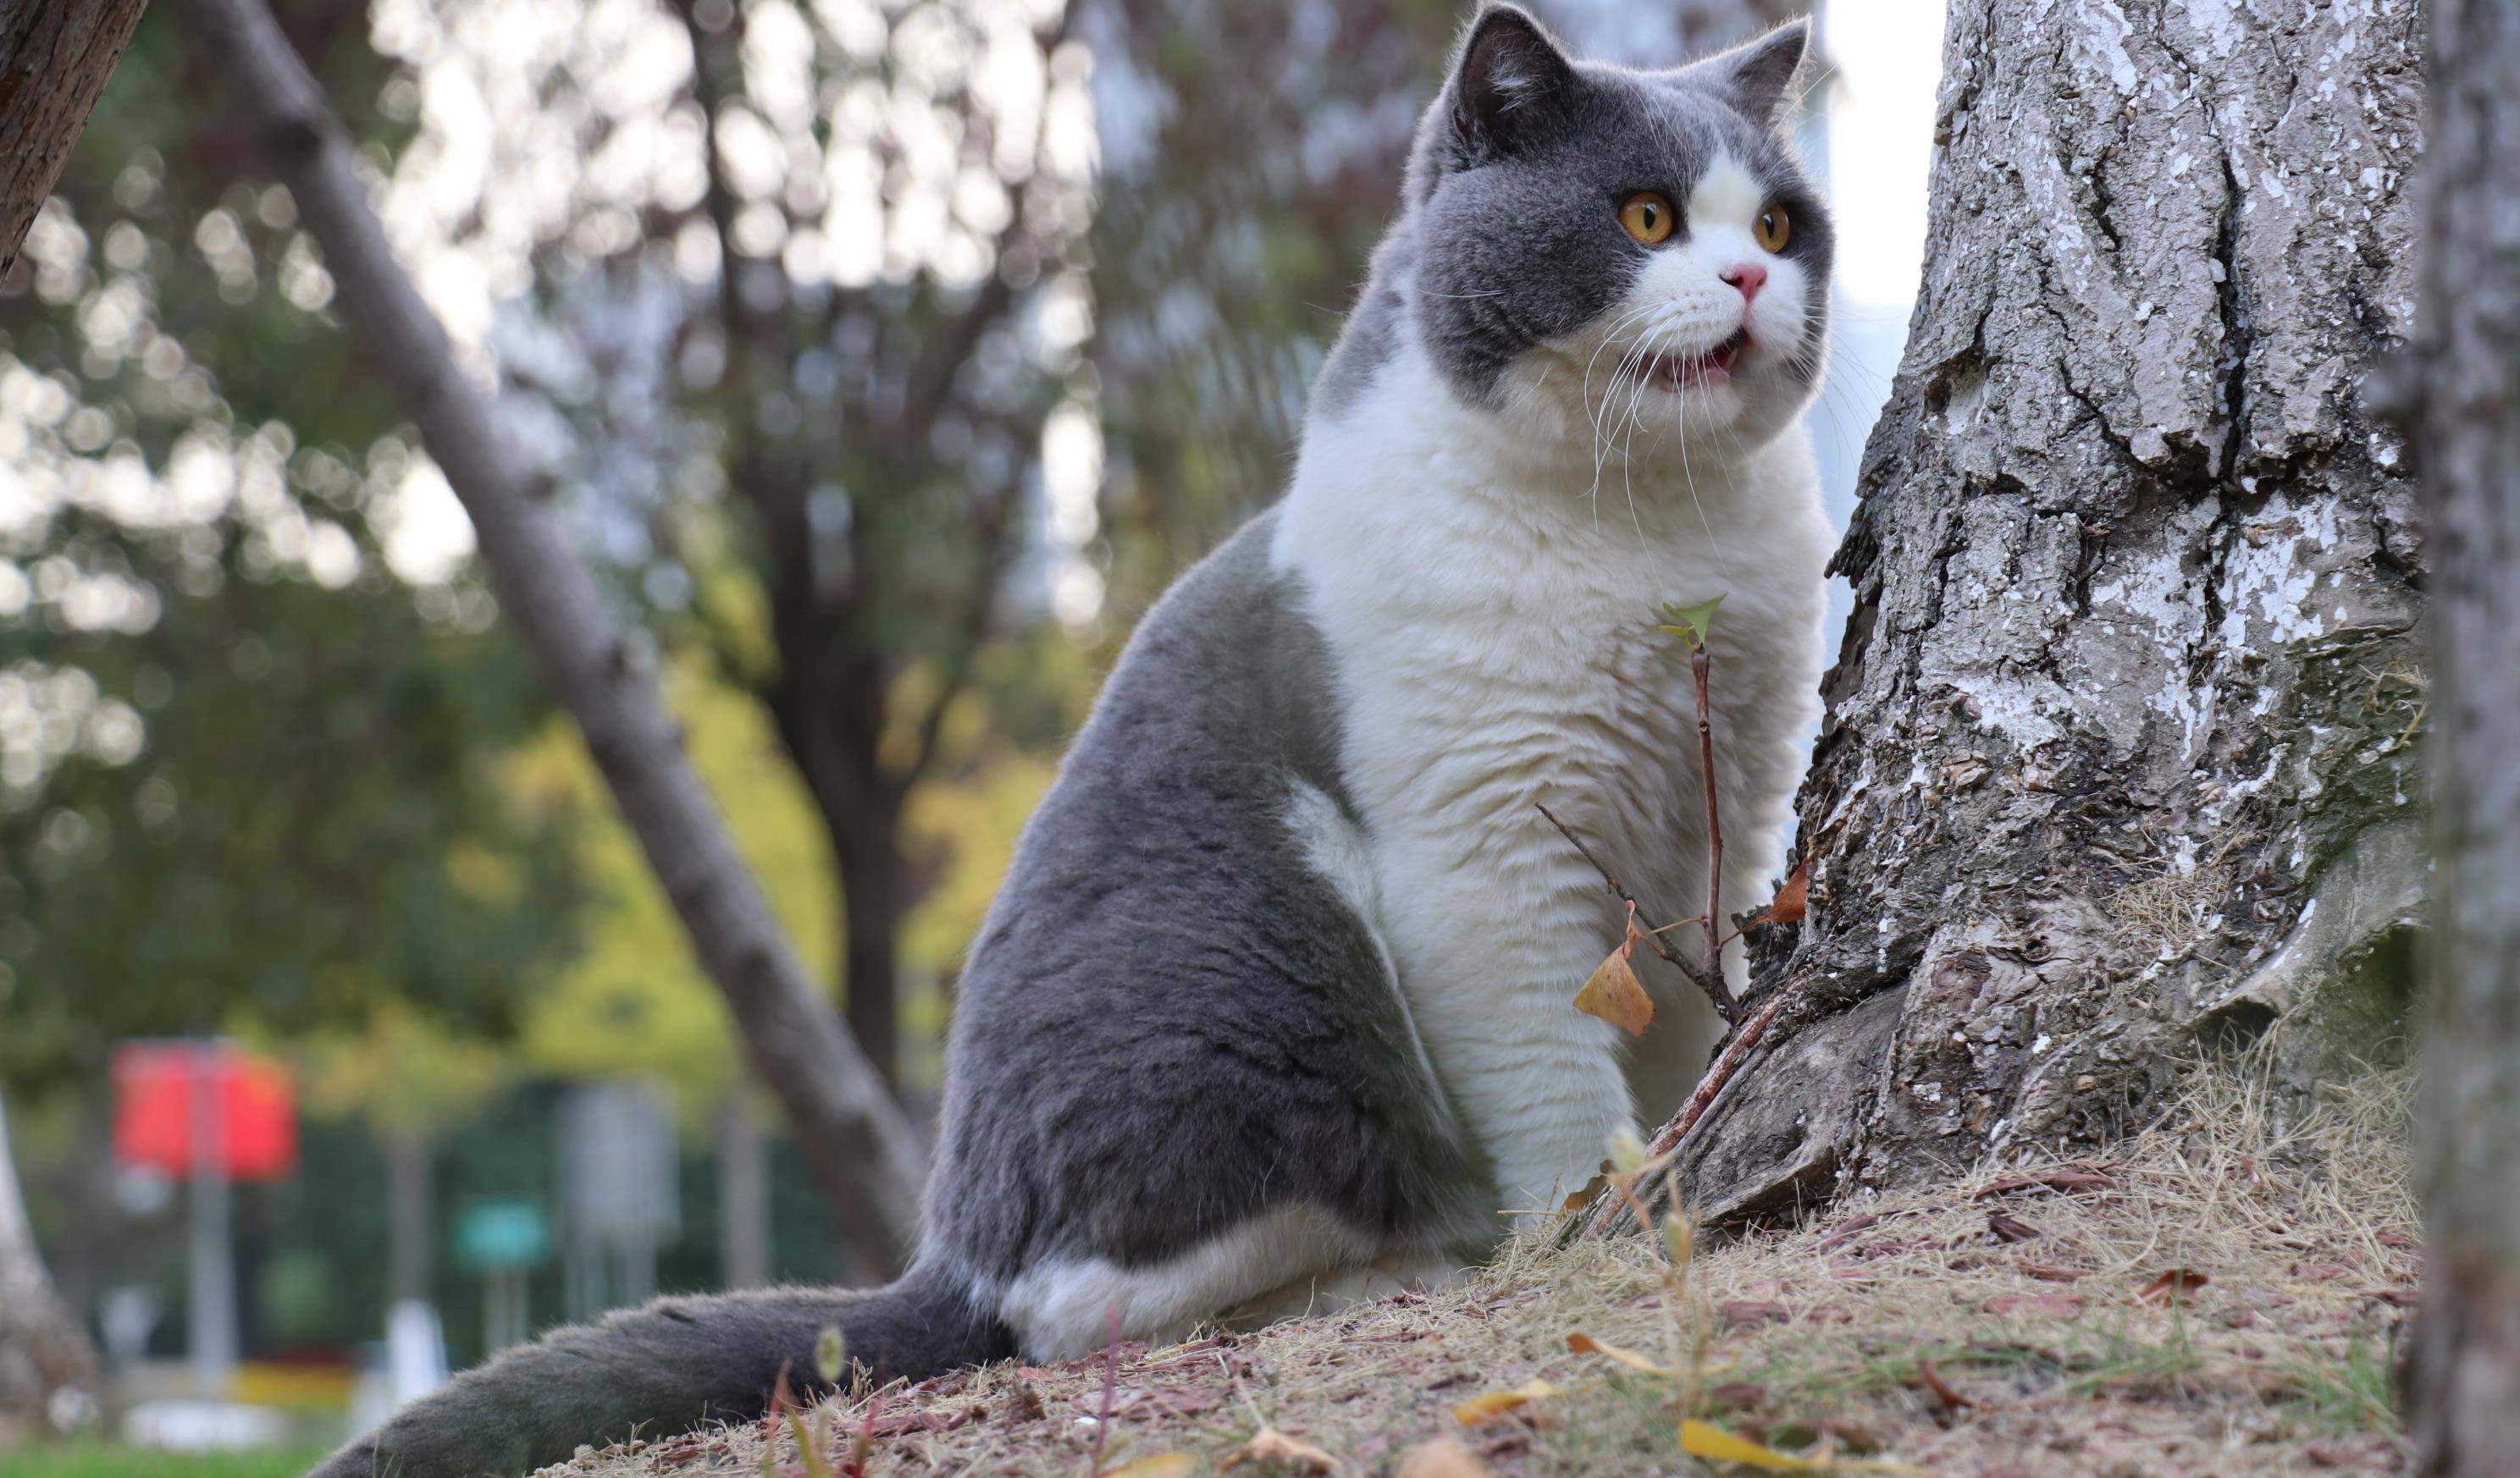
[830, 1354]
[1693, 621]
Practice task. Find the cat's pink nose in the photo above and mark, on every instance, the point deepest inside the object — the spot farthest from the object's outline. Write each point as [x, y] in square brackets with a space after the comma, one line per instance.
[1749, 276]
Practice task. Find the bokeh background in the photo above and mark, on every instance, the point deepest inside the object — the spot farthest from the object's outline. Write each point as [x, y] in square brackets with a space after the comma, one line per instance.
[885, 360]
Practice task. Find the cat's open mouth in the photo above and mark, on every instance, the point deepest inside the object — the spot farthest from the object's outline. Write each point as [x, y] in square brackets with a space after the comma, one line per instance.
[1676, 372]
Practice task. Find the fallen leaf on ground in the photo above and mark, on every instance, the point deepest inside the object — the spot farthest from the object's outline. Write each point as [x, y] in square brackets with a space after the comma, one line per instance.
[1443, 1458]
[1615, 993]
[1160, 1465]
[1700, 1439]
[1585, 1344]
[2174, 1283]
[2050, 1272]
[1846, 1230]
[1478, 1409]
[2005, 1230]
[1269, 1445]
[1747, 1313]
[1748, 1395]
[1949, 1397]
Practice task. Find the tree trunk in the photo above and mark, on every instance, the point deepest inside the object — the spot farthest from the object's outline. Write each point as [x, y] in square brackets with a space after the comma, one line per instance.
[2117, 761]
[55, 56]
[862, 1151]
[872, 904]
[47, 1369]
[2466, 1357]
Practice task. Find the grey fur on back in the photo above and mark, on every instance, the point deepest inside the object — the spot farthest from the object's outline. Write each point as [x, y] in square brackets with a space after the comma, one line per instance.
[1172, 1022]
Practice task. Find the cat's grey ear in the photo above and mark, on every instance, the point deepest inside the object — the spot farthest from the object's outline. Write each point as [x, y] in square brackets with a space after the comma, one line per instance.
[1758, 75]
[1508, 82]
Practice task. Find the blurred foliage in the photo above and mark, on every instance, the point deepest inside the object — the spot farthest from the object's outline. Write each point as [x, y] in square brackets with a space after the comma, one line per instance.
[87, 1459]
[799, 291]
[249, 776]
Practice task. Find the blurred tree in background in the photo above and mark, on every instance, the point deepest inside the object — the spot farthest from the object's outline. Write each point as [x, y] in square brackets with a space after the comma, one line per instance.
[796, 299]
[248, 769]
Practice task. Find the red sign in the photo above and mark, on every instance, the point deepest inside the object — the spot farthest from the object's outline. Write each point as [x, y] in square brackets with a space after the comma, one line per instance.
[163, 1090]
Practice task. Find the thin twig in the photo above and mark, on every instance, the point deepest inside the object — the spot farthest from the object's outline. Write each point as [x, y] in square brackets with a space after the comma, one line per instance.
[1701, 664]
[1110, 1387]
[1665, 1147]
[1712, 985]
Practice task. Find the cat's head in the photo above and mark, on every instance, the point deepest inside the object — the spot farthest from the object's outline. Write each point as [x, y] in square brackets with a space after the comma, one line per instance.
[1602, 248]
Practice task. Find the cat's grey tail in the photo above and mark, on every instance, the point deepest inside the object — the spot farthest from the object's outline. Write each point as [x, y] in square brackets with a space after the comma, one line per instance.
[665, 1369]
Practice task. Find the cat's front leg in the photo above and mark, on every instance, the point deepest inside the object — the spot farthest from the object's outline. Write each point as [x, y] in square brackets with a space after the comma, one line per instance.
[1491, 962]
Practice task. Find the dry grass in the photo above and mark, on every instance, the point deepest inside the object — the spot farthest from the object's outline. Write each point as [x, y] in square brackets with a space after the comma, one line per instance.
[1975, 1330]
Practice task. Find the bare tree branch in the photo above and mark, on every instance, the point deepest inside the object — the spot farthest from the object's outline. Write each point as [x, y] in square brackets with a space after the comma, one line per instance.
[1713, 985]
[979, 603]
[942, 357]
[55, 56]
[862, 1149]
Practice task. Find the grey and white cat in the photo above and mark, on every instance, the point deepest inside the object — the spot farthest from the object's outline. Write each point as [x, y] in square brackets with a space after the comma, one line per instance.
[1274, 1007]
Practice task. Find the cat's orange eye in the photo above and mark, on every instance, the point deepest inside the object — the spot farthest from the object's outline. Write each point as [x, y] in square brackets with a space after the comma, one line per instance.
[1648, 217]
[1774, 227]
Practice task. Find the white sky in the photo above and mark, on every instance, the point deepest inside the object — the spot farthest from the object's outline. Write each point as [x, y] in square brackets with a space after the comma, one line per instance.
[1888, 60]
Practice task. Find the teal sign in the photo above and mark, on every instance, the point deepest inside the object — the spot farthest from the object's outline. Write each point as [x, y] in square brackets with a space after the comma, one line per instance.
[491, 1237]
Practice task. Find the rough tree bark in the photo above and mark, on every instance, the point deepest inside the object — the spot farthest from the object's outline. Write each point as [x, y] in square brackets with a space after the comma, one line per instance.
[2117, 765]
[2466, 1357]
[861, 1150]
[55, 56]
[47, 1367]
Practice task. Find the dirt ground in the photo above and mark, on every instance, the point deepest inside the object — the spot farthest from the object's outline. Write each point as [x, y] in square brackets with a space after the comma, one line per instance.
[2223, 1296]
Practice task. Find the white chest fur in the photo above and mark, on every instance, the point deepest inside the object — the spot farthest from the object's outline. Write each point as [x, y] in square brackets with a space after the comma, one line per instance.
[1491, 613]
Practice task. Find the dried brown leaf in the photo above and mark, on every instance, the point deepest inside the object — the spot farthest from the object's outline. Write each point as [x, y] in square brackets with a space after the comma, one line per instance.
[1585, 1344]
[1791, 902]
[1615, 993]
[2005, 1229]
[1269, 1445]
[1749, 1313]
[2172, 1284]
[1944, 1391]
[1443, 1458]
